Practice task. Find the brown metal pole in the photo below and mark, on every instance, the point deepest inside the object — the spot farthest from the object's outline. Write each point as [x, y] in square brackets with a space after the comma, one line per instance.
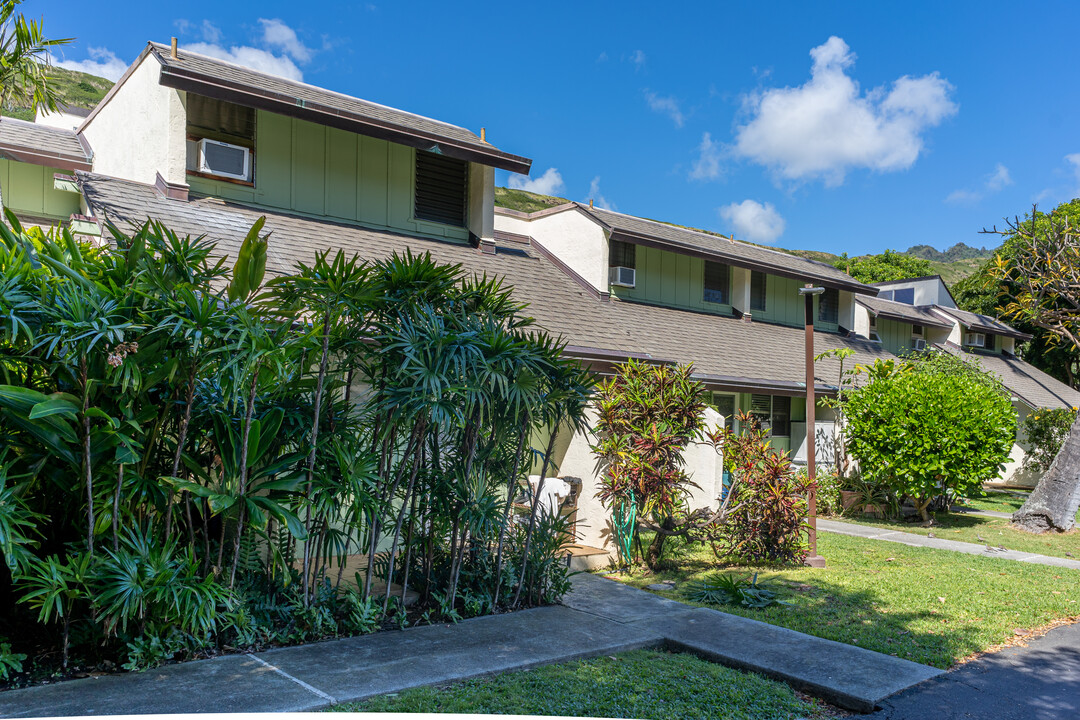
[814, 560]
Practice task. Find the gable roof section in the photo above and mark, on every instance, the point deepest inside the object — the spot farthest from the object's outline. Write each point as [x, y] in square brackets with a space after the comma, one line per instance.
[42, 145]
[885, 284]
[915, 314]
[1032, 386]
[982, 323]
[223, 80]
[712, 247]
[593, 330]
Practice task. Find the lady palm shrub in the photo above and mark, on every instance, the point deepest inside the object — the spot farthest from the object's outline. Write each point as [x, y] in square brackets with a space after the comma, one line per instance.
[190, 453]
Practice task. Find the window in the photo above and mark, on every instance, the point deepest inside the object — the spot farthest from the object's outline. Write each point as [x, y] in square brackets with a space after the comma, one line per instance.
[916, 331]
[623, 254]
[885, 295]
[829, 306]
[220, 138]
[873, 328]
[220, 120]
[774, 411]
[717, 283]
[758, 282]
[904, 295]
[441, 188]
[990, 342]
[725, 405]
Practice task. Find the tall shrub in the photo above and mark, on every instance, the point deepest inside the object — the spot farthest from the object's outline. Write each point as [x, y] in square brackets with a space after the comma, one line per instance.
[646, 416]
[929, 426]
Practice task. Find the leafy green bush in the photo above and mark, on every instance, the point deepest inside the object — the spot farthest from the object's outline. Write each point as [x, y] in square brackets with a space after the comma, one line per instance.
[829, 484]
[929, 426]
[1045, 430]
[10, 661]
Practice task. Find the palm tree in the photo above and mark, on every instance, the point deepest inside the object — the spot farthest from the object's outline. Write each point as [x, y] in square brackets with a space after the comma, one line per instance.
[24, 62]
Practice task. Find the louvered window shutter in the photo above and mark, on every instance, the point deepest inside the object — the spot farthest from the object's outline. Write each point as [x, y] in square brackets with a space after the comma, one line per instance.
[441, 188]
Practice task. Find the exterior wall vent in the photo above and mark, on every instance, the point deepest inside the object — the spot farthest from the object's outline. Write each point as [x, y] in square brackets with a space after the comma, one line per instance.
[620, 276]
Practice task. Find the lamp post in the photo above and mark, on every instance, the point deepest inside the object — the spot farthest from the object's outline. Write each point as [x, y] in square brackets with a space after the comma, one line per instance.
[808, 292]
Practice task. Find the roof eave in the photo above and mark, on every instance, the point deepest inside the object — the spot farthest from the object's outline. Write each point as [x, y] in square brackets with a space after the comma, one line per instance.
[328, 116]
[36, 157]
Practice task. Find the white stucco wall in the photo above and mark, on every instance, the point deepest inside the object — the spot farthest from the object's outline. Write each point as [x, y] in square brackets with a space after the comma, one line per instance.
[481, 200]
[861, 323]
[847, 309]
[141, 130]
[740, 289]
[62, 120]
[572, 237]
[930, 291]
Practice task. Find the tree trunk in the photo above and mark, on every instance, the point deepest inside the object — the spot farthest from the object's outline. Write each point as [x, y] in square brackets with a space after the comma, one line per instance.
[1052, 505]
[656, 547]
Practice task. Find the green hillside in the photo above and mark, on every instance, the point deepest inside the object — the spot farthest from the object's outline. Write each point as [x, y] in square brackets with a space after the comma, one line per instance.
[76, 89]
[952, 265]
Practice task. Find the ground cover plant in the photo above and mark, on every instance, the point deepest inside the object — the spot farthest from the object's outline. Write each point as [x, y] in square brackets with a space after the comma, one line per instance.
[931, 606]
[191, 451]
[647, 684]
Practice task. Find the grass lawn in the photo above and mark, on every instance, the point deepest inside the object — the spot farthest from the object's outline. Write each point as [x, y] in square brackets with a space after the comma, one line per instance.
[998, 501]
[993, 531]
[647, 684]
[931, 606]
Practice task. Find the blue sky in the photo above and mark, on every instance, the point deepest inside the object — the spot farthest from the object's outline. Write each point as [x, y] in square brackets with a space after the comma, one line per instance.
[847, 127]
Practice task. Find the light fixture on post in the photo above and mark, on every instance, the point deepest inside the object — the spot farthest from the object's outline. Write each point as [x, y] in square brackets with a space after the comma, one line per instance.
[813, 560]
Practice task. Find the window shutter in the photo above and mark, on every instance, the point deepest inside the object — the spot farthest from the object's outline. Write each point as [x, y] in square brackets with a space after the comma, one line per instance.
[758, 282]
[623, 254]
[441, 188]
[781, 415]
[717, 285]
[829, 306]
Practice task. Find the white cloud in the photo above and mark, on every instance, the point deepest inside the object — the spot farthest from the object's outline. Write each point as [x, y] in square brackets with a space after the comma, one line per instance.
[1074, 160]
[277, 34]
[250, 57]
[999, 178]
[828, 126]
[666, 106]
[550, 183]
[599, 200]
[753, 221]
[707, 165]
[602, 57]
[638, 58]
[992, 183]
[102, 62]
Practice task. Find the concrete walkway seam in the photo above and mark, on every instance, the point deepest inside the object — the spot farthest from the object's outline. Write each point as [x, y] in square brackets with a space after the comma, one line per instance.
[912, 540]
[298, 681]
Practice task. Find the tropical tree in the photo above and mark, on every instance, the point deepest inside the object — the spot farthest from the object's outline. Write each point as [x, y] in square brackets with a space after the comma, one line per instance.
[1041, 275]
[883, 267]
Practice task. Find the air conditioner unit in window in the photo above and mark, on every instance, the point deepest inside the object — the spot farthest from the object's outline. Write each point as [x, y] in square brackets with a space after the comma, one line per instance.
[622, 276]
[975, 339]
[224, 160]
[920, 344]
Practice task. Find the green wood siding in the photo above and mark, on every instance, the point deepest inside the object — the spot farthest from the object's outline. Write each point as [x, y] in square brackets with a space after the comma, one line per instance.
[28, 190]
[321, 171]
[668, 278]
[895, 335]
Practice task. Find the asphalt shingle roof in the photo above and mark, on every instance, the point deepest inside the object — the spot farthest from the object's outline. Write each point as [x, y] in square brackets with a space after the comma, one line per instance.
[983, 323]
[733, 251]
[1031, 385]
[256, 85]
[903, 312]
[720, 347]
[41, 144]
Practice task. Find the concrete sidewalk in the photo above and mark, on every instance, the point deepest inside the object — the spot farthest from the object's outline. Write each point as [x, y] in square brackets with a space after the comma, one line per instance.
[913, 540]
[599, 617]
